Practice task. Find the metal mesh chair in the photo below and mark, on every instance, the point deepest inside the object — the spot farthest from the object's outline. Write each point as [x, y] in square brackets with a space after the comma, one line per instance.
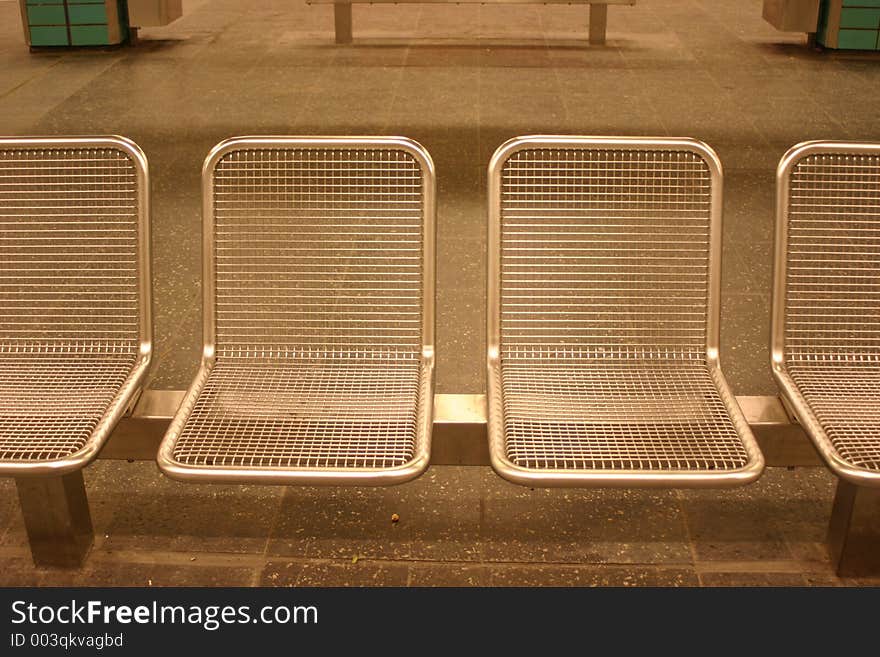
[826, 301]
[603, 316]
[75, 327]
[319, 315]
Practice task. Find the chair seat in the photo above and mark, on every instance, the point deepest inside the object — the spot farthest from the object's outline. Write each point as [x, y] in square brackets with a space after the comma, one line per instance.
[304, 415]
[845, 400]
[618, 416]
[51, 404]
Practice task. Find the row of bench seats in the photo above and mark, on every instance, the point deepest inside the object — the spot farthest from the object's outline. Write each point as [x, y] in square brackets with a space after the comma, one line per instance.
[318, 359]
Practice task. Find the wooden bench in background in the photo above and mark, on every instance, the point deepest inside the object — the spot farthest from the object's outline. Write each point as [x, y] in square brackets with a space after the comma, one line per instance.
[598, 13]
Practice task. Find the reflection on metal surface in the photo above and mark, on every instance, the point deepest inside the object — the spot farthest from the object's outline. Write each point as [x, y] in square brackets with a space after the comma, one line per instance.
[75, 326]
[603, 316]
[826, 304]
[319, 310]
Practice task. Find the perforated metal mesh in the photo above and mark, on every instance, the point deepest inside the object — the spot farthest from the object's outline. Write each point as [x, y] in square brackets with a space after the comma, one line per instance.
[51, 403]
[318, 250]
[68, 294]
[68, 250]
[318, 255]
[344, 414]
[605, 259]
[606, 253]
[832, 310]
[618, 416]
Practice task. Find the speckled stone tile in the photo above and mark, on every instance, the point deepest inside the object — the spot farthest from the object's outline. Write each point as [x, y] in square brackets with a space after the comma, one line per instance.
[148, 511]
[752, 579]
[590, 576]
[20, 571]
[97, 572]
[438, 518]
[447, 575]
[809, 495]
[447, 515]
[773, 519]
[581, 525]
[103, 573]
[312, 574]
[825, 579]
[422, 88]
[745, 344]
[459, 271]
[461, 341]
[749, 208]
[872, 582]
[343, 523]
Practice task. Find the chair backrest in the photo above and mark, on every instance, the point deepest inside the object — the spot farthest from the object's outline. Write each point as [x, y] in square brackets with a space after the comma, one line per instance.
[604, 248]
[74, 246]
[826, 299]
[319, 248]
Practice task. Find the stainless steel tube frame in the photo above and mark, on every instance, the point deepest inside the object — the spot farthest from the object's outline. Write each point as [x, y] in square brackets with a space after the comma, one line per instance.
[790, 392]
[312, 476]
[621, 478]
[127, 393]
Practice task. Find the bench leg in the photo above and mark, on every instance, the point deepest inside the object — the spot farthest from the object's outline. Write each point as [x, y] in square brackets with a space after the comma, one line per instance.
[598, 23]
[854, 532]
[57, 519]
[342, 19]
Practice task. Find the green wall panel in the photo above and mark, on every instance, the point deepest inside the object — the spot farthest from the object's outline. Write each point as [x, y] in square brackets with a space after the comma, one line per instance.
[46, 15]
[860, 18]
[89, 35]
[49, 36]
[87, 14]
[857, 39]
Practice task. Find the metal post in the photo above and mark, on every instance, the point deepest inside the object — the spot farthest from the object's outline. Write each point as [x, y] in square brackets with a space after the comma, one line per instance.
[459, 434]
[57, 519]
[598, 23]
[854, 532]
[342, 21]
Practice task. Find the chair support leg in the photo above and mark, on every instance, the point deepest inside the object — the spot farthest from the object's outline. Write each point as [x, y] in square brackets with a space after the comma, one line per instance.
[342, 20]
[854, 532]
[598, 23]
[57, 519]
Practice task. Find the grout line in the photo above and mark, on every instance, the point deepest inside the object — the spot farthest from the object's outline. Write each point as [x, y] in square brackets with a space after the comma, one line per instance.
[255, 560]
[40, 74]
[781, 566]
[165, 558]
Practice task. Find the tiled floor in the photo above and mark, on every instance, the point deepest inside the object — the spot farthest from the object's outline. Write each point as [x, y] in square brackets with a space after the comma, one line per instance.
[460, 79]
[457, 526]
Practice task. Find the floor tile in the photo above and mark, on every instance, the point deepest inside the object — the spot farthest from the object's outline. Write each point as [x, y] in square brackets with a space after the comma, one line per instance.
[334, 574]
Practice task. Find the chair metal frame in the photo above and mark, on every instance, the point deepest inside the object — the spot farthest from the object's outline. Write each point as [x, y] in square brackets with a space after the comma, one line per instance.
[310, 476]
[128, 393]
[791, 394]
[602, 478]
